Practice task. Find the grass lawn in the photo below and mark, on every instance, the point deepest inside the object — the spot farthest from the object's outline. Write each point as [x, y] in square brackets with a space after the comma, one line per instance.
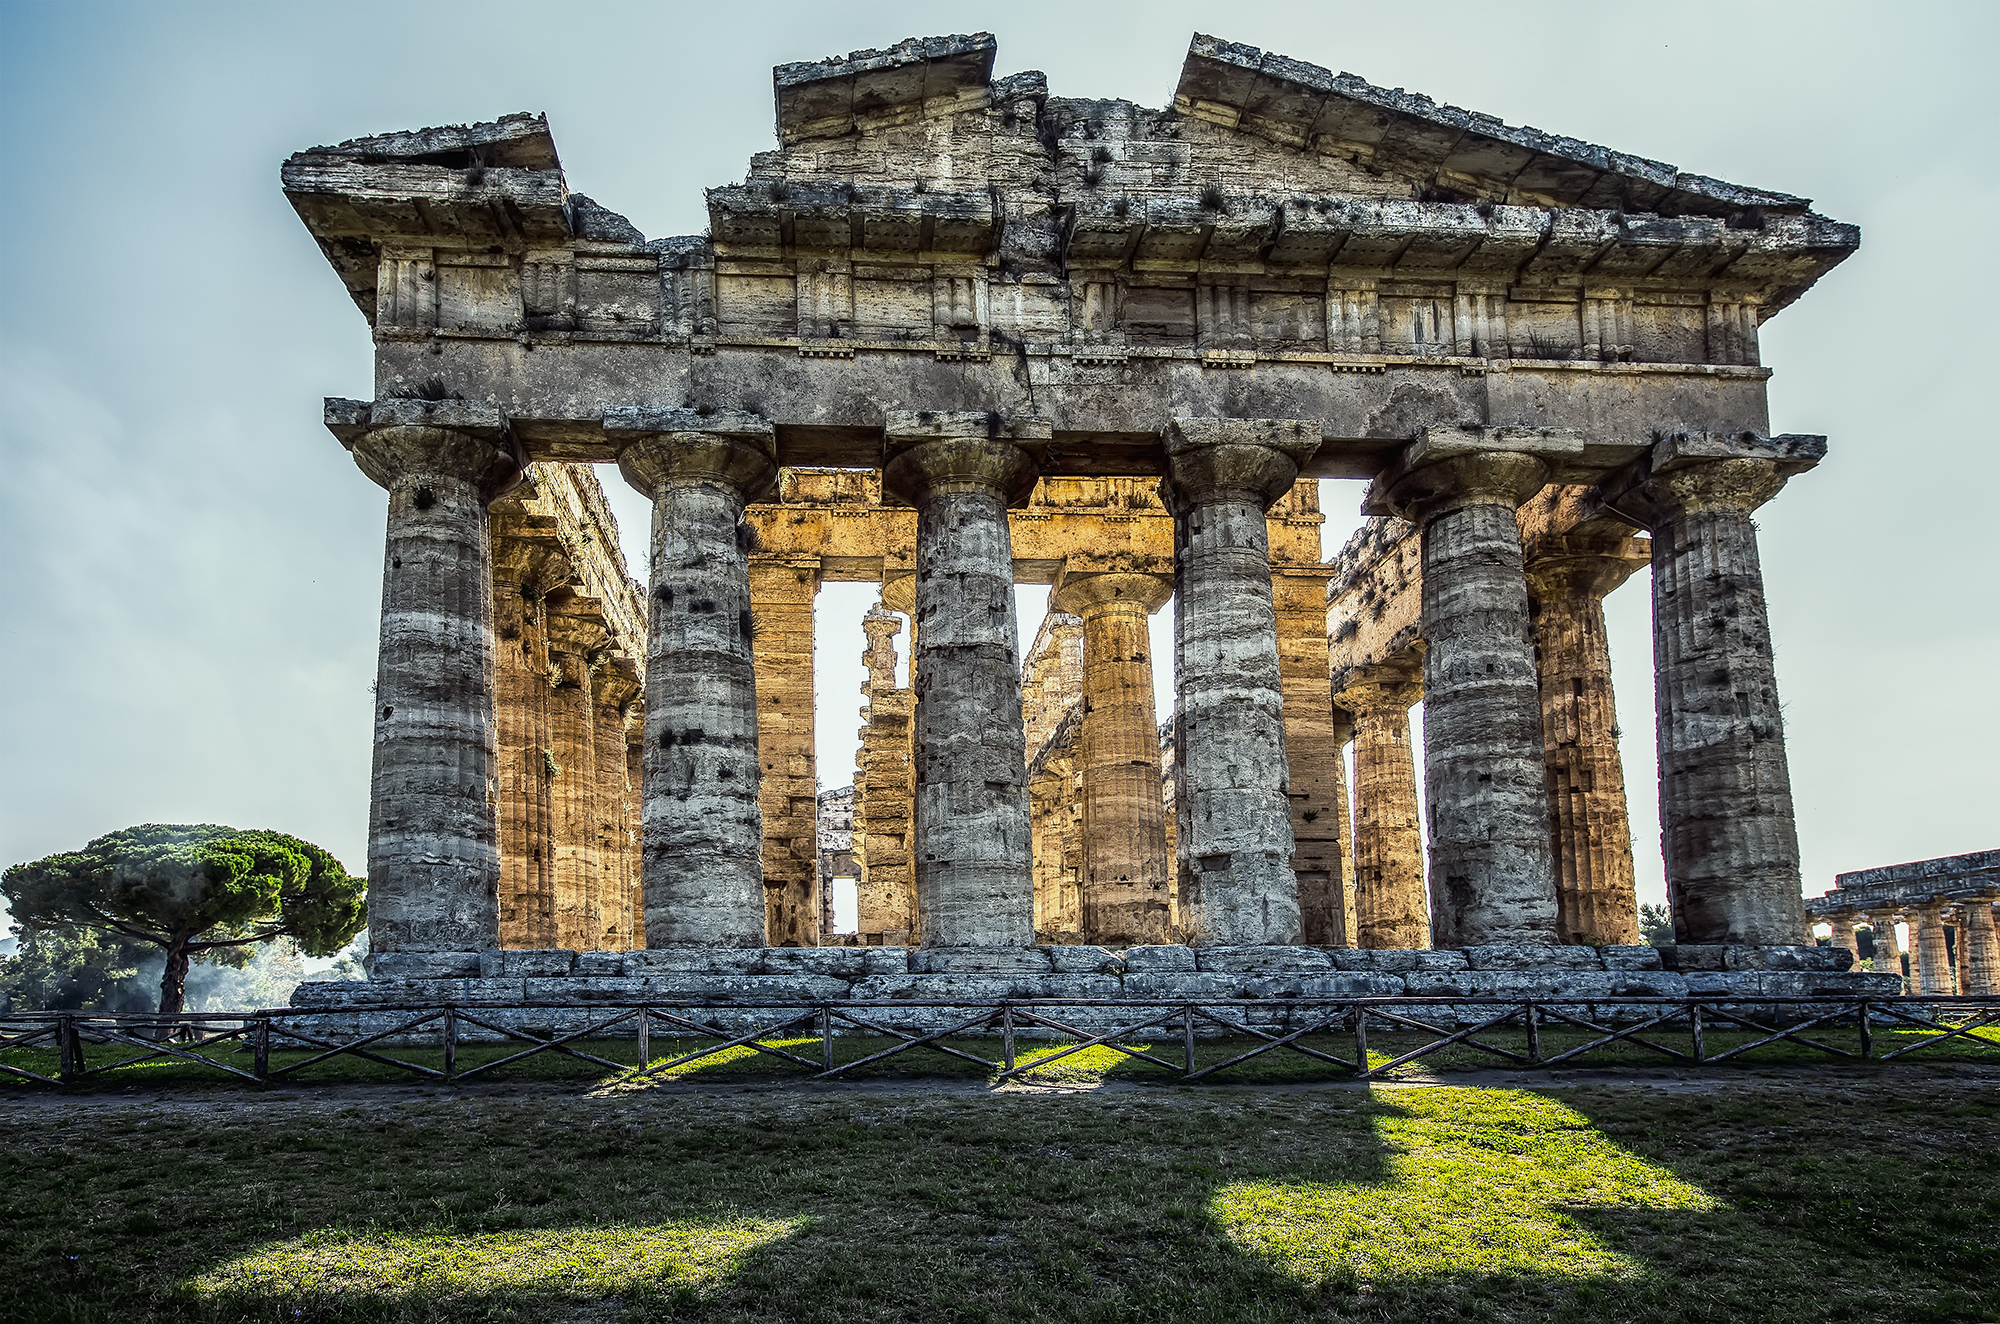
[1754, 1198]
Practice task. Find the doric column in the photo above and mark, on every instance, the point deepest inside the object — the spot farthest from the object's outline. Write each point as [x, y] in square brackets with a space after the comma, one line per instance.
[433, 837]
[1978, 948]
[525, 568]
[1234, 834]
[1932, 972]
[1888, 958]
[1843, 933]
[616, 692]
[1315, 771]
[703, 836]
[572, 785]
[1731, 841]
[884, 792]
[1389, 904]
[782, 589]
[635, 783]
[1589, 832]
[1492, 877]
[962, 471]
[1124, 873]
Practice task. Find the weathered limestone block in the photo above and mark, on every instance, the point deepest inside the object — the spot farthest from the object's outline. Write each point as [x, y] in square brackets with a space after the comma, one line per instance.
[1631, 956]
[1160, 959]
[981, 960]
[1729, 832]
[1082, 959]
[499, 963]
[1749, 956]
[1124, 873]
[1390, 906]
[961, 471]
[1531, 956]
[1234, 833]
[1546, 982]
[782, 589]
[703, 835]
[423, 965]
[1491, 871]
[433, 831]
[694, 960]
[1590, 833]
[1790, 984]
[1395, 962]
[1261, 959]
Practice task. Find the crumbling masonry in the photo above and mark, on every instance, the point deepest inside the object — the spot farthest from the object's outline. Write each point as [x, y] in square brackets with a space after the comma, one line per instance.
[955, 333]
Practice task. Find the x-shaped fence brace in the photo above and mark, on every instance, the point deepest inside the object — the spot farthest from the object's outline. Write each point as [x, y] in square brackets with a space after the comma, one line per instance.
[194, 1038]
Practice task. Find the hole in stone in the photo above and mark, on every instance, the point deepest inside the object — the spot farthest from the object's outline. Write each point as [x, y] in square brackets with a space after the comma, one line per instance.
[425, 498]
[388, 712]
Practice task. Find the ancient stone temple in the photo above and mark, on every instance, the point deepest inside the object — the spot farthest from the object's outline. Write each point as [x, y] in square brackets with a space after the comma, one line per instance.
[955, 333]
[1947, 905]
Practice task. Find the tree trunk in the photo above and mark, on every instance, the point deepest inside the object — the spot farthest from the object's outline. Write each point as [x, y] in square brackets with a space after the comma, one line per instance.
[173, 979]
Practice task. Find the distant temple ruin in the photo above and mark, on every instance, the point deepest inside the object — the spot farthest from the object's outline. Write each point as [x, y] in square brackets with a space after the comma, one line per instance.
[956, 333]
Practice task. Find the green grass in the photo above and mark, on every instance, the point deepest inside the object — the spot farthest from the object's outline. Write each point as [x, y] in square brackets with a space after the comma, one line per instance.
[1276, 1067]
[1786, 1201]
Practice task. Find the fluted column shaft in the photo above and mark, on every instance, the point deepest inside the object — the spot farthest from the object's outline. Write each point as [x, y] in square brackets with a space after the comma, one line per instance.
[781, 604]
[884, 791]
[1232, 777]
[975, 886]
[616, 690]
[1844, 936]
[1492, 875]
[1125, 897]
[1888, 957]
[433, 835]
[1315, 771]
[1933, 965]
[1978, 948]
[1390, 909]
[703, 831]
[1590, 832]
[573, 800]
[1727, 823]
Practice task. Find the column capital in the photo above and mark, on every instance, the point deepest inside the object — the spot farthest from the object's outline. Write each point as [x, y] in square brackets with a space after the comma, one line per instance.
[900, 594]
[722, 448]
[1581, 567]
[616, 681]
[929, 452]
[1237, 459]
[1369, 688]
[1448, 469]
[400, 443]
[1080, 589]
[1688, 473]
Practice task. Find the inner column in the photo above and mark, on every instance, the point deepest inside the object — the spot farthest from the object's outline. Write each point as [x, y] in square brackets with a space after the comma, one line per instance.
[1125, 898]
[962, 470]
[702, 866]
[1234, 830]
[782, 590]
[1389, 905]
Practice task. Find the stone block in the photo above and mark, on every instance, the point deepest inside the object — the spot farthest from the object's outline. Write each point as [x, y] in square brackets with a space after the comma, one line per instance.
[1085, 961]
[599, 965]
[1395, 960]
[1160, 959]
[838, 962]
[694, 961]
[885, 960]
[1545, 984]
[422, 965]
[1634, 956]
[563, 988]
[746, 990]
[980, 960]
[1261, 960]
[1792, 984]
[1176, 985]
[1745, 956]
[985, 987]
[499, 963]
[1532, 956]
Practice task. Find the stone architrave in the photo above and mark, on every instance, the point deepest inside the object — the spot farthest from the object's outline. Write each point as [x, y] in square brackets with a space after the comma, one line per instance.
[1390, 910]
[1492, 875]
[782, 590]
[1124, 873]
[703, 837]
[1730, 836]
[1590, 832]
[1234, 832]
[433, 833]
[961, 471]
[1978, 946]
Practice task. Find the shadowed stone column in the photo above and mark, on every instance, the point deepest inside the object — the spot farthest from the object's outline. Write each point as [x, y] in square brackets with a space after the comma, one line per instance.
[1125, 900]
[962, 471]
[1234, 830]
[1843, 934]
[1389, 904]
[1315, 772]
[1588, 828]
[526, 567]
[1731, 841]
[703, 833]
[616, 691]
[1931, 971]
[635, 783]
[1888, 958]
[1492, 877]
[572, 792]
[1978, 947]
[782, 590]
[884, 792]
[433, 837]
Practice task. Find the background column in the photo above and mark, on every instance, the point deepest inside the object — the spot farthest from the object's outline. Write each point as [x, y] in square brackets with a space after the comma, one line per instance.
[782, 590]
[1125, 899]
[573, 842]
[1843, 934]
[1234, 834]
[433, 836]
[1315, 770]
[973, 865]
[1888, 958]
[1390, 909]
[1978, 948]
[616, 692]
[884, 793]
[703, 838]
[1932, 971]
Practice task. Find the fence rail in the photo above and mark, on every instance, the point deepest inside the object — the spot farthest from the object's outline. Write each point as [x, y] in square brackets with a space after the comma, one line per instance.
[1922, 1023]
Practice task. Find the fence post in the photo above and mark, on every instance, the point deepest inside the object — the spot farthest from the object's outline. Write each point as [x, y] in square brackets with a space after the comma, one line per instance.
[1007, 1033]
[69, 1045]
[1187, 1038]
[1534, 1035]
[645, 1042]
[1361, 1040]
[1694, 1030]
[825, 1039]
[1867, 1030]
[260, 1047]
[450, 1042]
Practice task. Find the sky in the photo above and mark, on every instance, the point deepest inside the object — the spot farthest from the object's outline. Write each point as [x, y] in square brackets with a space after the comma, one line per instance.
[188, 614]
